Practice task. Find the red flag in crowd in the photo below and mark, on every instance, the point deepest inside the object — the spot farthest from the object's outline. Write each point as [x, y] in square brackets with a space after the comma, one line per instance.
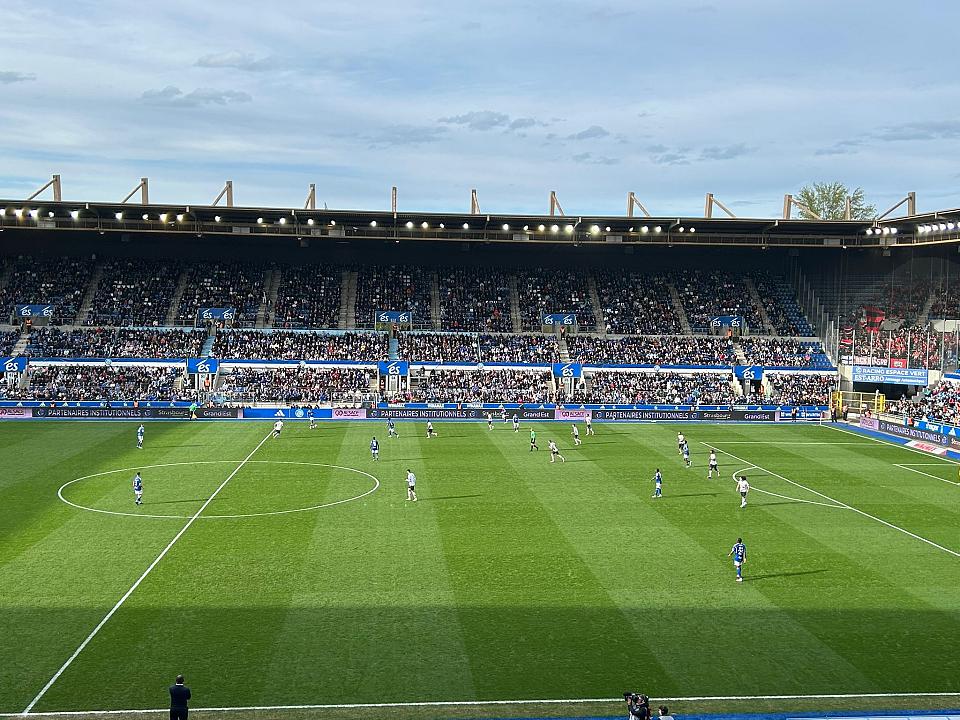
[875, 317]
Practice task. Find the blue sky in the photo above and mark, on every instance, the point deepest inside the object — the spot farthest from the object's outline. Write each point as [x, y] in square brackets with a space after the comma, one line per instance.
[745, 99]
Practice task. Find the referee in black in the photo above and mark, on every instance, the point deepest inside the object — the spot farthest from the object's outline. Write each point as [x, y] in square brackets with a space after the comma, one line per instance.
[179, 695]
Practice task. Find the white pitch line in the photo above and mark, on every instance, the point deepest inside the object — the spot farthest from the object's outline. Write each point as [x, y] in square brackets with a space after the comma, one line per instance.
[782, 497]
[128, 593]
[476, 703]
[842, 504]
[905, 466]
[786, 442]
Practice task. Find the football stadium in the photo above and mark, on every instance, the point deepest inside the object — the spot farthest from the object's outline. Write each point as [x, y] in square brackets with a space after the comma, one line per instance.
[304, 462]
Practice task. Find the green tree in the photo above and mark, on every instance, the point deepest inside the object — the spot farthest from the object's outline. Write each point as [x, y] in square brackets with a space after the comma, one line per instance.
[828, 200]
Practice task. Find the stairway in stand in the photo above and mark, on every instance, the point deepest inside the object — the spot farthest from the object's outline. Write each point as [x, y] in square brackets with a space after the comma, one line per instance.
[515, 304]
[681, 313]
[88, 296]
[174, 310]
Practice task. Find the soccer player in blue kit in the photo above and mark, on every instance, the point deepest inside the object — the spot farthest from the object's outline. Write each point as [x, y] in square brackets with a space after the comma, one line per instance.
[138, 489]
[739, 553]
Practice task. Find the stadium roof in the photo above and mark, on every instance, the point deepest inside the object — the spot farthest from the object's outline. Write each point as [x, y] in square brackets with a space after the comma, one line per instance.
[175, 220]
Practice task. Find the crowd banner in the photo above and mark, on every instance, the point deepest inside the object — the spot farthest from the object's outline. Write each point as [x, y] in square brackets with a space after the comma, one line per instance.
[16, 413]
[748, 372]
[567, 370]
[216, 313]
[393, 367]
[731, 321]
[404, 317]
[13, 364]
[559, 319]
[203, 366]
[714, 415]
[572, 415]
[135, 413]
[890, 375]
[32, 311]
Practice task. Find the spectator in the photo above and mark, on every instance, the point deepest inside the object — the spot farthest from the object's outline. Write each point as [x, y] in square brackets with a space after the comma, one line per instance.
[292, 345]
[309, 296]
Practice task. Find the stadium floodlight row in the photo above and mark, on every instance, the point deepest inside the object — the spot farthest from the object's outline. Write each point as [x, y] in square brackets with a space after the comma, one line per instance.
[16, 215]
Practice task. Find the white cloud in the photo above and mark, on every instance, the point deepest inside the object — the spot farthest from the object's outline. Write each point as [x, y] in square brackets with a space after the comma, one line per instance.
[8, 77]
[174, 96]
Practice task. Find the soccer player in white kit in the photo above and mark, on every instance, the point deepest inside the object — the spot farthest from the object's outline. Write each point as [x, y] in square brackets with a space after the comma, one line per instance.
[411, 485]
[554, 452]
[712, 465]
[588, 421]
[516, 423]
[489, 421]
[140, 437]
[277, 427]
[430, 431]
[680, 441]
[743, 487]
[576, 435]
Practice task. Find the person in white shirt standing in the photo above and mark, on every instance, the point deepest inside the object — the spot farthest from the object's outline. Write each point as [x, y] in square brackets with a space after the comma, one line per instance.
[411, 485]
[277, 427]
[743, 487]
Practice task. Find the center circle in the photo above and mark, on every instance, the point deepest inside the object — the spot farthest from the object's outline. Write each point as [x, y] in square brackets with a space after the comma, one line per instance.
[205, 516]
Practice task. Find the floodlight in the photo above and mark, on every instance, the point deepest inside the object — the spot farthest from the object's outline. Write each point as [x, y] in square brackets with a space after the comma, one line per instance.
[568, 229]
[373, 223]
[75, 214]
[554, 228]
[594, 229]
[180, 217]
[466, 226]
[658, 229]
[118, 216]
[506, 227]
[409, 224]
[644, 229]
[283, 221]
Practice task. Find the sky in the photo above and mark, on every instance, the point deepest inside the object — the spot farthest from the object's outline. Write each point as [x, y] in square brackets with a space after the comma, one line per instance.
[746, 99]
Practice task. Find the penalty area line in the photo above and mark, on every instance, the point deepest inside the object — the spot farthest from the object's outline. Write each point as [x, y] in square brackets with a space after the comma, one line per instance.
[480, 703]
[840, 503]
[128, 593]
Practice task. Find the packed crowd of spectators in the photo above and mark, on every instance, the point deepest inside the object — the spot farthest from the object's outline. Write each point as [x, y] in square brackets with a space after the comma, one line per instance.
[707, 294]
[783, 352]
[134, 292]
[676, 350]
[665, 388]
[115, 343]
[636, 303]
[295, 385]
[226, 284]
[946, 303]
[309, 297]
[60, 282]
[538, 349]
[8, 338]
[474, 299]
[551, 291]
[399, 288]
[800, 389]
[482, 386]
[289, 345]
[102, 383]
[439, 347]
[940, 403]
[919, 346]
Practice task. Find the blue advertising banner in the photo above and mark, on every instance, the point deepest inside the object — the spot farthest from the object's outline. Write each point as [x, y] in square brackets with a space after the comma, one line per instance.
[892, 376]
[217, 313]
[393, 316]
[559, 318]
[393, 367]
[32, 311]
[13, 364]
[733, 321]
[567, 370]
[203, 366]
[748, 372]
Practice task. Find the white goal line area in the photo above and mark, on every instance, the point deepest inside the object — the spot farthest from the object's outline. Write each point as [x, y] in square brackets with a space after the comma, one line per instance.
[487, 703]
[838, 503]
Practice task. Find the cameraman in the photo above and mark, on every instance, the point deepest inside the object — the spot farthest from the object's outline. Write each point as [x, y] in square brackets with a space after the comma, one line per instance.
[638, 706]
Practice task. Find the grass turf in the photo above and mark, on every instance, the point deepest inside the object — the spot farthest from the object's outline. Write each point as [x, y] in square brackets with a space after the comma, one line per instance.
[511, 578]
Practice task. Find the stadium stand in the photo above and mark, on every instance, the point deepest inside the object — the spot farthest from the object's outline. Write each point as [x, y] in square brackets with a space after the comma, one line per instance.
[659, 388]
[134, 292]
[636, 304]
[439, 347]
[541, 349]
[290, 345]
[707, 294]
[394, 287]
[554, 291]
[227, 284]
[309, 296]
[8, 338]
[60, 282]
[800, 388]
[474, 299]
[295, 385]
[52, 342]
[76, 382]
[784, 352]
[675, 350]
[482, 386]
[784, 313]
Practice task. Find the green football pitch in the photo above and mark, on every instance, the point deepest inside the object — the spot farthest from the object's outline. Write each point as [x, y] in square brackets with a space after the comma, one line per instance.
[294, 570]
